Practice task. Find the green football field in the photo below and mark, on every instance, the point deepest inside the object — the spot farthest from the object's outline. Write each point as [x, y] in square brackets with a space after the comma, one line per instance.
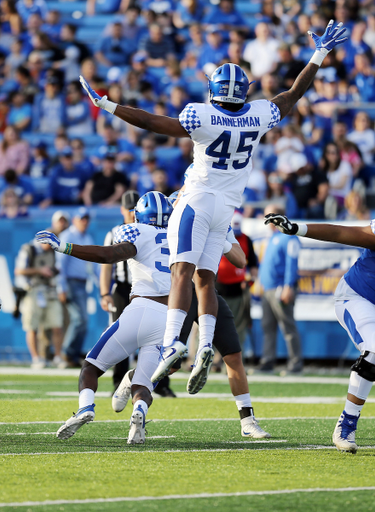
[194, 458]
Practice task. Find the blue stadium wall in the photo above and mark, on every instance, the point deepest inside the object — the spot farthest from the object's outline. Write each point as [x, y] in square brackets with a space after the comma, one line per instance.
[321, 340]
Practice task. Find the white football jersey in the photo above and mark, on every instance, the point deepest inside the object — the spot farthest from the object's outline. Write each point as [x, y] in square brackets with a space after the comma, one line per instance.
[224, 143]
[149, 267]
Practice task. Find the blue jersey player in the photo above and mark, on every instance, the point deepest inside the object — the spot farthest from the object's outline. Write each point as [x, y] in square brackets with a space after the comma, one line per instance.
[355, 310]
[225, 133]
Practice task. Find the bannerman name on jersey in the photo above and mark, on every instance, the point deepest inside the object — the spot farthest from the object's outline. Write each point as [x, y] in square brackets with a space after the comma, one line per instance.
[240, 122]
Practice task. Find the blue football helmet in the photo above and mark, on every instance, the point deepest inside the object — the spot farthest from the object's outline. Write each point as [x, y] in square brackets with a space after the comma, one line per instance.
[228, 84]
[153, 208]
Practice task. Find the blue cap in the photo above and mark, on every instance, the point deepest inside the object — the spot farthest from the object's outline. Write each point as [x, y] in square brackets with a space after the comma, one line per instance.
[82, 212]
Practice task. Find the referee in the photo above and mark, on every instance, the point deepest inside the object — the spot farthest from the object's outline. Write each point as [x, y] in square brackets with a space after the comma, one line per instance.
[114, 299]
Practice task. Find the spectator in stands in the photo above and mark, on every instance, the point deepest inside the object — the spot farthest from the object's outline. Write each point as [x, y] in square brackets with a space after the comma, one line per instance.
[49, 108]
[160, 182]
[363, 136]
[26, 8]
[22, 185]
[261, 53]
[26, 84]
[269, 87]
[115, 50]
[60, 222]
[177, 167]
[105, 187]
[100, 7]
[214, 50]
[68, 37]
[308, 185]
[78, 117]
[15, 58]
[355, 207]
[187, 13]
[338, 172]
[278, 275]
[288, 68]
[49, 51]
[52, 25]
[40, 161]
[278, 193]
[233, 283]
[147, 98]
[20, 112]
[178, 101]
[132, 26]
[36, 67]
[354, 46]
[11, 21]
[157, 46]
[364, 77]
[225, 17]
[288, 144]
[36, 263]
[142, 179]
[195, 42]
[79, 157]
[349, 151]
[124, 149]
[11, 205]
[14, 152]
[66, 183]
[71, 287]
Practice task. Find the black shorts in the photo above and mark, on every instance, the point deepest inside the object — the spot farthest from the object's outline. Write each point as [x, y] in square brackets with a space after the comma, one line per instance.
[225, 338]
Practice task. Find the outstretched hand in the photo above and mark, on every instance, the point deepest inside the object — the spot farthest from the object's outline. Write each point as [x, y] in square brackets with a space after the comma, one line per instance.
[282, 223]
[46, 237]
[330, 38]
[98, 101]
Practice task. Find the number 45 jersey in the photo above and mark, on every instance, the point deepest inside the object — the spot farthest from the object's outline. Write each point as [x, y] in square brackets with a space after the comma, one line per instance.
[149, 267]
[224, 143]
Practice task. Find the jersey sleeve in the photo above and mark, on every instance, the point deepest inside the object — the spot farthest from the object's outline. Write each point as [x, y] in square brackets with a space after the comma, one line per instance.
[189, 118]
[275, 115]
[268, 112]
[128, 233]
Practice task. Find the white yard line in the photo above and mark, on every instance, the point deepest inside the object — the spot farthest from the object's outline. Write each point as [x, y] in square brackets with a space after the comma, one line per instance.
[183, 496]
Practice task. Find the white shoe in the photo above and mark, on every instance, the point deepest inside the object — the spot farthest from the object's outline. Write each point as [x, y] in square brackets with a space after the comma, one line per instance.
[344, 434]
[201, 369]
[250, 428]
[70, 427]
[137, 432]
[121, 395]
[168, 356]
[59, 362]
[38, 363]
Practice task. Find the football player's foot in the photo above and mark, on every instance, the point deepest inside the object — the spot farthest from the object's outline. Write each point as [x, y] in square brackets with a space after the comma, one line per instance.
[201, 369]
[344, 434]
[168, 356]
[121, 395]
[137, 432]
[70, 427]
[250, 428]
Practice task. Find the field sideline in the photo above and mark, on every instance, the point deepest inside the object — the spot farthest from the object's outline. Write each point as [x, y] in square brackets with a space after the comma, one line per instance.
[194, 457]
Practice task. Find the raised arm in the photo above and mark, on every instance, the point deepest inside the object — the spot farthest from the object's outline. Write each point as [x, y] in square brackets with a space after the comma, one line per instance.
[95, 253]
[324, 44]
[136, 116]
[358, 236]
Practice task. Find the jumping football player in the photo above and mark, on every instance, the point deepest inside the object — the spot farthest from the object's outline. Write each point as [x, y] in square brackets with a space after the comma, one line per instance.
[225, 134]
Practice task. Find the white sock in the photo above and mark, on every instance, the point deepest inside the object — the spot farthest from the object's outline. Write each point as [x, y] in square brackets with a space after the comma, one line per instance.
[353, 409]
[86, 397]
[206, 330]
[243, 401]
[175, 319]
[143, 406]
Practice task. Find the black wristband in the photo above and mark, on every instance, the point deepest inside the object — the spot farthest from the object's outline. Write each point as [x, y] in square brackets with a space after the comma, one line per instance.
[105, 295]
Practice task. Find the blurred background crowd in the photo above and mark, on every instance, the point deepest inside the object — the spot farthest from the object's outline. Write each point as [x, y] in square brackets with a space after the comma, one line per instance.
[56, 148]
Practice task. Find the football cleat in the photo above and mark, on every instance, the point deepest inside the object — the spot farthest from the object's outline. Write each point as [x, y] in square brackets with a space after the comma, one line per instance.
[121, 395]
[70, 427]
[201, 369]
[137, 432]
[250, 428]
[168, 356]
[344, 434]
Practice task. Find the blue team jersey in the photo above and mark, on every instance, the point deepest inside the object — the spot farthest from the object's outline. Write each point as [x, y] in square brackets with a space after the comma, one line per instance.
[361, 276]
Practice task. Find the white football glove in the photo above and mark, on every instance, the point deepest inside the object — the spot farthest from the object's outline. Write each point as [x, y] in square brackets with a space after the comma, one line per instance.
[98, 101]
[46, 237]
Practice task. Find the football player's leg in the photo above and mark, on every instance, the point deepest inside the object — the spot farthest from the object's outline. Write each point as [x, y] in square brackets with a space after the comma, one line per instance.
[357, 317]
[141, 389]
[227, 343]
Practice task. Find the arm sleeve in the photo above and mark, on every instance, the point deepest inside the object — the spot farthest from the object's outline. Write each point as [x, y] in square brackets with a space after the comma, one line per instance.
[189, 118]
[291, 261]
[128, 233]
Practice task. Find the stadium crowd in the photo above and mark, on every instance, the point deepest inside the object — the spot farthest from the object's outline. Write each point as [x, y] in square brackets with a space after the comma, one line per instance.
[56, 148]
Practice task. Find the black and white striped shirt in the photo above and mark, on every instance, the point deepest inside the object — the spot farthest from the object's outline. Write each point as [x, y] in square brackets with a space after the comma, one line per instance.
[121, 272]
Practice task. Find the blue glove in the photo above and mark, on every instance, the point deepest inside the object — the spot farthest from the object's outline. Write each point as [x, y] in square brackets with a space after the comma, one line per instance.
[46, 237]
[325, 43]
[98, 101]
